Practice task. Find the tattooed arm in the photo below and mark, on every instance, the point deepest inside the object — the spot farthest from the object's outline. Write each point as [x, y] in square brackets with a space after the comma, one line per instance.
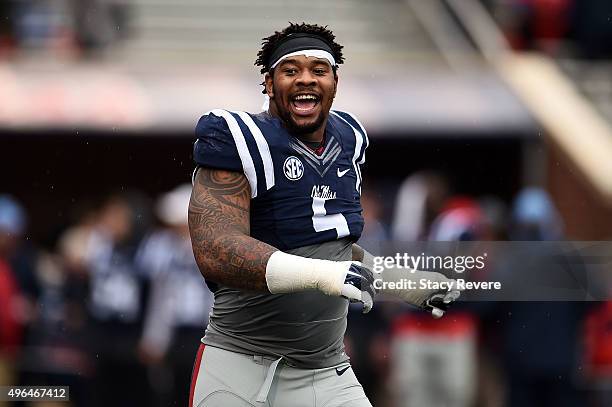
[219, 225]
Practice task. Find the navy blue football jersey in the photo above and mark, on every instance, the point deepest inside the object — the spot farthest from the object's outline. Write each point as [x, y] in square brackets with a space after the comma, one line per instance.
[298, 197]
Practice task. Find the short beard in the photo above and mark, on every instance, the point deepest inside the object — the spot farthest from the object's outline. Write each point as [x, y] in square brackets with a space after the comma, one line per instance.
[299, 130]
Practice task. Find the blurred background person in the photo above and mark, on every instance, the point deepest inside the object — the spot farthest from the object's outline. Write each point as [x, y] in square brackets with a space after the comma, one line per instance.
[598, 353]
[180, 301]
[435, 361]
[116, 304]
[540, 339]
[420, 199]
[12, 227]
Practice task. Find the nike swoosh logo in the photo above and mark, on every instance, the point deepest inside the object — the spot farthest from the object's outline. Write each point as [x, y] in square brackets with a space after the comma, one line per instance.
[339, 372]
[341, 173]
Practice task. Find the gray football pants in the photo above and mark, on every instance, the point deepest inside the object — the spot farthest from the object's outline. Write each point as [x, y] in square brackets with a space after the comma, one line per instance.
[227, 379]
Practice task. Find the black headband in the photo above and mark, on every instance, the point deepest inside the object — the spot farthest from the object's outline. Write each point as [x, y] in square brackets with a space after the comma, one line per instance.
[298, 42]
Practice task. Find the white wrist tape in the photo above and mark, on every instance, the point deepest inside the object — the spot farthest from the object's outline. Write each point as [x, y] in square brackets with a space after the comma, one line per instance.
[287, 273]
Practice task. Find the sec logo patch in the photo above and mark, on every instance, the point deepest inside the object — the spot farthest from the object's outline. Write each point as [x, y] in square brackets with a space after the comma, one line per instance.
[293, 168]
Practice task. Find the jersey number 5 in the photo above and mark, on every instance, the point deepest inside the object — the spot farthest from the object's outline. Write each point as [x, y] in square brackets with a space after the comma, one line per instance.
[321, 221]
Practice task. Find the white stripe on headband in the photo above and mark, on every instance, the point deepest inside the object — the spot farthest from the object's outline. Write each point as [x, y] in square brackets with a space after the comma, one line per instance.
[317, 53]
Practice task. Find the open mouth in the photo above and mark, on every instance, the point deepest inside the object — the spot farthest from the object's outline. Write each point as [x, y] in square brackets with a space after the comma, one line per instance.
[304, 104]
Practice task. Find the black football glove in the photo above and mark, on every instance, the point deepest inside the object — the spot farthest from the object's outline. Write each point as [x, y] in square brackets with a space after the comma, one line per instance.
[359, 286]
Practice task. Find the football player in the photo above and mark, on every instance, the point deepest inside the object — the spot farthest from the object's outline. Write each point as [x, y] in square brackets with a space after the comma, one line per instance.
[274, 216]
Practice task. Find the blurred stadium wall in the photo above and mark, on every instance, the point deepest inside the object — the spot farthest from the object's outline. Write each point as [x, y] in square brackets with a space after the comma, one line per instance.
[97, 96]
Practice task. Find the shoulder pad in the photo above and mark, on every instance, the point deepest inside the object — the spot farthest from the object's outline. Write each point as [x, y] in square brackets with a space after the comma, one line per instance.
[215, 146]
[232, 141]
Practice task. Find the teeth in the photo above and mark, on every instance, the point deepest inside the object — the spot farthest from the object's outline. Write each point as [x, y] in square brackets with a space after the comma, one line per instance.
[305, 97]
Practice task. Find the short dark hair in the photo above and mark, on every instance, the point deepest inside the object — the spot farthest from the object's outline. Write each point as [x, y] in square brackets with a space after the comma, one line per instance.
[269, 43]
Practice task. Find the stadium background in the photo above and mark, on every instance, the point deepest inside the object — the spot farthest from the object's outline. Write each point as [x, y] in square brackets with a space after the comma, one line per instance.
[479, 109]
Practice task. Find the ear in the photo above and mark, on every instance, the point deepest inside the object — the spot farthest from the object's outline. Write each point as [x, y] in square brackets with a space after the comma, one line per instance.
[269, 85]
[335, 85]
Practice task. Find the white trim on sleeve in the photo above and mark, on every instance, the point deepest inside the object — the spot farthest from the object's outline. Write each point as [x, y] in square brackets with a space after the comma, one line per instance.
[243, 150]
[262, 146]
[359, 139]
